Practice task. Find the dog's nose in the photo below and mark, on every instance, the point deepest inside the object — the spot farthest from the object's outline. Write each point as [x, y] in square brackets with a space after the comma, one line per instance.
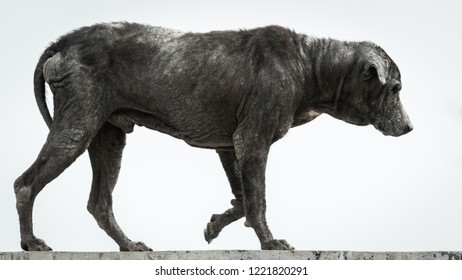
[409, 128]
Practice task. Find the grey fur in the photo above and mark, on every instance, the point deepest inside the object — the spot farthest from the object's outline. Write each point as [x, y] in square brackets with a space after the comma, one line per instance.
[233, 91]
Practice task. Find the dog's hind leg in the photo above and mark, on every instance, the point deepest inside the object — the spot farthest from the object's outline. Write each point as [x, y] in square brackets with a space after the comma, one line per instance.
[219, 221]
[105, 155]
[70, 135]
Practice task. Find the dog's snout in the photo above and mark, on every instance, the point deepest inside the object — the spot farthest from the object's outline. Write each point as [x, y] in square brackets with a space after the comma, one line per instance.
[408, 127]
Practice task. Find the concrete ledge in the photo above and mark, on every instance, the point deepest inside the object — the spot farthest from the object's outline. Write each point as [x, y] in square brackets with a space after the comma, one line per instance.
[232, 255]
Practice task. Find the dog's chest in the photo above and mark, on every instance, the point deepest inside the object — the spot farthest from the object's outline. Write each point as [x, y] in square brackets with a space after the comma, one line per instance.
[305, 117]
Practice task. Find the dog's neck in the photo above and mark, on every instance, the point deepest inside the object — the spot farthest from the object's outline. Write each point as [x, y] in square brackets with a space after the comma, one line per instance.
[327, 62]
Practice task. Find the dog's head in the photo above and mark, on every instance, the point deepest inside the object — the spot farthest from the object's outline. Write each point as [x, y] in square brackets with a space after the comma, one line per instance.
[370, 92]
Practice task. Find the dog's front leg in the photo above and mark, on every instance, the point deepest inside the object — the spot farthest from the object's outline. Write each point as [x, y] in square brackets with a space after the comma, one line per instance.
[252, 152]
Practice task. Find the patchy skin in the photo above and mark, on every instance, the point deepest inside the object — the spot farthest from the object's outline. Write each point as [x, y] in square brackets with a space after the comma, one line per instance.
[233, 91]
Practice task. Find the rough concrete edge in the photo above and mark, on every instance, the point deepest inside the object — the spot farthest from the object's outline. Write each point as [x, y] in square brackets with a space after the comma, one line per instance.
[233, 255]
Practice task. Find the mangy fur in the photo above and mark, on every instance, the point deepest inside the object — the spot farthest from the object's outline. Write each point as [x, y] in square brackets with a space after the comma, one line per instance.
[233, 91]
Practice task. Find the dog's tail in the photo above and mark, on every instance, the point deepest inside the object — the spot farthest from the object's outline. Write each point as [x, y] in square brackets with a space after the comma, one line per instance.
[39, 86]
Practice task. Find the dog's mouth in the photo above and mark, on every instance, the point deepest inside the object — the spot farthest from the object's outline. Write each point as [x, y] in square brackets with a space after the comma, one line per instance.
[377, 125]
[393, 130]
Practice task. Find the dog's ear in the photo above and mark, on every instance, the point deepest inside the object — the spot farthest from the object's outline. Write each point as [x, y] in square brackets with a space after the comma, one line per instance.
[375, 65]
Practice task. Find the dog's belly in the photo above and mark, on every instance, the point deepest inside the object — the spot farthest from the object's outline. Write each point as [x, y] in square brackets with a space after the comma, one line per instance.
[202, 134]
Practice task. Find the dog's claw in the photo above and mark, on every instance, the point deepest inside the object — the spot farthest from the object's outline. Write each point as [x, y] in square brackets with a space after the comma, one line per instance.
[276, 244]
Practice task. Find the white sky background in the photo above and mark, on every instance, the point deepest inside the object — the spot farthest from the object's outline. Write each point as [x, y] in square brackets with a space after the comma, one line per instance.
[330, 185]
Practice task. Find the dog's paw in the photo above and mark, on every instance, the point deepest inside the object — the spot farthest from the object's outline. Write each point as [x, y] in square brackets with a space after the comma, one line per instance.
[135, 246]
[35, 244]
[276, 244]
[211, 232]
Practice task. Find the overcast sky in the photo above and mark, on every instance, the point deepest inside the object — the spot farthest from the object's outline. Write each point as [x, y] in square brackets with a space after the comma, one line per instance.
[330, 185]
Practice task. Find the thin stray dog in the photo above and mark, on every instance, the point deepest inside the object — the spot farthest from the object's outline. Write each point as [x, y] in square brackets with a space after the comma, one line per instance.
[233, 91]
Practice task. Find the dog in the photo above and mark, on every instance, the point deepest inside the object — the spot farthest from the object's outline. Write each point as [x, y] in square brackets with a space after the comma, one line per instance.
[236, 92]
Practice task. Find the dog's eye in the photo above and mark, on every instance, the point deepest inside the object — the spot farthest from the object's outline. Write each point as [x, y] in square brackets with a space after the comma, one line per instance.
[396, 88]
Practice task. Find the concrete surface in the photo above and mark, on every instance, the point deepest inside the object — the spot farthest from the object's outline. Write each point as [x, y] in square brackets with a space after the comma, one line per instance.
[232, 255]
